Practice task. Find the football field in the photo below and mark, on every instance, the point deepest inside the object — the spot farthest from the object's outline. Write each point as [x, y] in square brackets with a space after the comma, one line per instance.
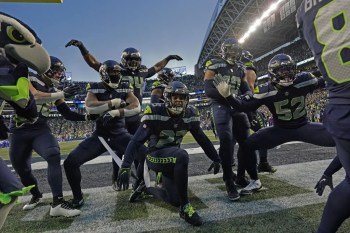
[287, 202]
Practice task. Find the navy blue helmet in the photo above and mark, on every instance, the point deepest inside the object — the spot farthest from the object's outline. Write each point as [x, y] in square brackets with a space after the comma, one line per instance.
[166, 75]
[282, 70]
[231, 50]
[176, 105]
[131, 58]
[57, 70]
[110, 72]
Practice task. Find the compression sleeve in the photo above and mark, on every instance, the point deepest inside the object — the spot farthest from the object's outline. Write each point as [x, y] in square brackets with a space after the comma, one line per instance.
[205, 143]
[333, 167]
[138, 139]
[69, 114]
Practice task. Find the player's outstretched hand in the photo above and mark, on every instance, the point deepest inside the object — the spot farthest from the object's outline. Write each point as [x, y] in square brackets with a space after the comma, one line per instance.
[215, 166]
[123, 178]
[322, 183]
[76, 43]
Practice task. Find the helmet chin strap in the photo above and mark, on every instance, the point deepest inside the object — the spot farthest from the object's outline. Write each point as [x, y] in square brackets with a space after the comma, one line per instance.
[113, 85]
[176, 110]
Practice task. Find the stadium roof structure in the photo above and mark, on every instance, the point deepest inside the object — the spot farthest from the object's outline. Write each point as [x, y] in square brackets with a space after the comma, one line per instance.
[233, 18]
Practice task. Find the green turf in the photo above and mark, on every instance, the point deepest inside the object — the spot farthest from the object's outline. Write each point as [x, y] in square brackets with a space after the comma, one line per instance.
[67, 147]
[274, 188]
[14, 224]
[123, 206]
[297, 220]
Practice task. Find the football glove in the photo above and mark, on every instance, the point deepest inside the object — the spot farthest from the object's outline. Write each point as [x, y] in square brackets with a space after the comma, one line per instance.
[322, 183]
[78, 44]
[173, 57]
[222, 86]
[123, 178]
[71, 91]
[215, 166]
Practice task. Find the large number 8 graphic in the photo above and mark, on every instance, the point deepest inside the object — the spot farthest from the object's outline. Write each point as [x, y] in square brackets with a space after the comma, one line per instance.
[333, 31]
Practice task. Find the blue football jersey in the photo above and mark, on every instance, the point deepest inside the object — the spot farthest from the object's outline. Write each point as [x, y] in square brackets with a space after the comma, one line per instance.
[324, 25]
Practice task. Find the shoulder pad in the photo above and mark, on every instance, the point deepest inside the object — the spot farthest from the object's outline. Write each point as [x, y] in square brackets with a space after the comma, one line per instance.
[214, 63]
[143, 67]
[192, 110]
[152, 108]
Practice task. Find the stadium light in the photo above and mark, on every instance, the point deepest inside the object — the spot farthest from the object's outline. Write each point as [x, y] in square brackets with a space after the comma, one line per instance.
[258, 22]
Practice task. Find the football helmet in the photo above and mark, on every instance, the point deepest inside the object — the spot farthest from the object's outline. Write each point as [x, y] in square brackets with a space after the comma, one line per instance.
[246, 56]
[131, 58]
[231, 50]
[282, 70]
[176, 105]
[57, 71]
[110, 72]
[166, 75]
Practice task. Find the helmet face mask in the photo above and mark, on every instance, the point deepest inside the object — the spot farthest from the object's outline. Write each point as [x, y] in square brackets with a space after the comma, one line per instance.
[246, 56]
[282, 70]
[131, 58]
[176, 97]
[110, 73]
[57, 71]
[231, 51]
[166, 75]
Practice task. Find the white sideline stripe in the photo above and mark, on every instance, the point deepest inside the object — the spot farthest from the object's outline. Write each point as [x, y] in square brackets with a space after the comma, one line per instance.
[106, 158]
[97, 213]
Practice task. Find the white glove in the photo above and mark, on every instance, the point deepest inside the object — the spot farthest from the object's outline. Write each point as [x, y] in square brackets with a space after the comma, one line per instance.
[222, 86]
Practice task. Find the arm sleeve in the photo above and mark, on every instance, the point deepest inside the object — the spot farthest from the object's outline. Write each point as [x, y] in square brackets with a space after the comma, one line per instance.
[333, 167]
[151, 72]
[211, 91]
[138, 139]
[68, 114]
[244, 88]
[205, 143]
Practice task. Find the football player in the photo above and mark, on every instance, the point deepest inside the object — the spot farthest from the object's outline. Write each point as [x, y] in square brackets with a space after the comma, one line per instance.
[255, 118]
[285, 97]
[323, 24]
[231, 125]
[37, 136]
[165, 76]
[164, 126]
[109, 99]
[134, 73]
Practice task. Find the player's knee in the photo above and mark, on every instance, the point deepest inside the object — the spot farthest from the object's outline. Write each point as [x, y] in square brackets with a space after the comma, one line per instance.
[70, 163]
[52, 155]
[182, 157]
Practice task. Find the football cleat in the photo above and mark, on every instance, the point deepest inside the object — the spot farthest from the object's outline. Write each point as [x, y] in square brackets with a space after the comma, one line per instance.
[266, 167]
[253, 186]
[76, 203]
[232, 192]
[241, 181]
[190, 215]
[34, 201]
[137, 192]
[63, 208]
